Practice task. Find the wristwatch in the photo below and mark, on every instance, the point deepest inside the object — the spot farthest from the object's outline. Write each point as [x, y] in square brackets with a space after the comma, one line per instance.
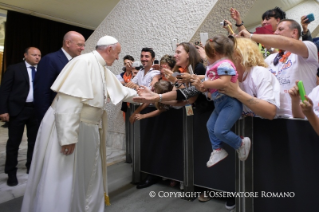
[177, 85]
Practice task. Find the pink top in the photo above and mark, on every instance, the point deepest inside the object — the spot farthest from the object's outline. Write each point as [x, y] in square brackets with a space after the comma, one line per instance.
[219, 68]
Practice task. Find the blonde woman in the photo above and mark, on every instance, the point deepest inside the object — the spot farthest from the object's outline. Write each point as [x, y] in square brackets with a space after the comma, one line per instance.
[258, 88]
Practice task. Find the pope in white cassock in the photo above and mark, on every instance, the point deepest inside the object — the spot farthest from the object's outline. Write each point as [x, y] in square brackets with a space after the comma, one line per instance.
[68, 171]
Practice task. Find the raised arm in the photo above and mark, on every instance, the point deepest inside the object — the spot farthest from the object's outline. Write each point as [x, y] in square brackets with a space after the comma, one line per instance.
[236, 16]
[279, 42]
[295, 101]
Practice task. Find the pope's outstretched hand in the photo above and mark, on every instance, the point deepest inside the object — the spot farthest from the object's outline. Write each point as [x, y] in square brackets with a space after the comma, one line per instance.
[145, 95]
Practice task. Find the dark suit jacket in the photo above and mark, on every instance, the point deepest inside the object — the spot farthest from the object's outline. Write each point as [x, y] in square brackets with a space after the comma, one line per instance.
[48, 69]
[14, 89]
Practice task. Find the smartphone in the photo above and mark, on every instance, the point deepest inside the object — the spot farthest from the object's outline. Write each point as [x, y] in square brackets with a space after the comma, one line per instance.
[174, 44]
[197, 43]
[310, 17]
[203, 37]
[302, 92]
[156, 62]
[175, 74]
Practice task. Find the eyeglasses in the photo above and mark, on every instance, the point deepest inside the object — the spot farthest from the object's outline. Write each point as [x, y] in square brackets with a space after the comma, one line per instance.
[78, 44]
[278, 57]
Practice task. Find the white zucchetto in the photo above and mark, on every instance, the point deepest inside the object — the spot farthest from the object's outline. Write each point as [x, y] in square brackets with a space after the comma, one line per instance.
[107, 40]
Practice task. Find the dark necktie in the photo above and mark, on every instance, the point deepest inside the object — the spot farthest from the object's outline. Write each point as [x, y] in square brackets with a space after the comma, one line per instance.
[33, 74]
[278, 56]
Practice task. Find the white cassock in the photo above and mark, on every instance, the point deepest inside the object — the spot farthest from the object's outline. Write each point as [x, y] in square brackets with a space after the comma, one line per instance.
[76, 182]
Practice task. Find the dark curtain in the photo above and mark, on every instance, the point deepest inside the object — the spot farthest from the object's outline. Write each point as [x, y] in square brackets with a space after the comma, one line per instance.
[24, 30]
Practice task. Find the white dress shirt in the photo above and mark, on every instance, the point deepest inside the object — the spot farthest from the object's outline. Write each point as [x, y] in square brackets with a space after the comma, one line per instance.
[67, 55]
[30, 95]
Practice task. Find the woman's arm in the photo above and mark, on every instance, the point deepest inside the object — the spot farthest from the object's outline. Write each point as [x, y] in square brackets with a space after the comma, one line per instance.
[217, 83]
[181, 103]
[236, 16]
[147, 96]
[258, 106]
[307, 109]
[148, 115]
[137, 111]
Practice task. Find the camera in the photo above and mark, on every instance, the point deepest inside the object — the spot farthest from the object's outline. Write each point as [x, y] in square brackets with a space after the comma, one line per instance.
[137, 65]
[223, 23]
[197, 43]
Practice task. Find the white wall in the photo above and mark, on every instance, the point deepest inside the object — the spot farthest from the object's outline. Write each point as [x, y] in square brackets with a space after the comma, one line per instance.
[154, 23]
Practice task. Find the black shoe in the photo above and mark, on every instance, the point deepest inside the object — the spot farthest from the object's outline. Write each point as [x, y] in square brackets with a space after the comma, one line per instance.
[230, 203]
[150, 180]
[12, 179]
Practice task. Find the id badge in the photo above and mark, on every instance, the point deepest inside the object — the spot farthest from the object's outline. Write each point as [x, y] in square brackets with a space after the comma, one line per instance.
[189, 110]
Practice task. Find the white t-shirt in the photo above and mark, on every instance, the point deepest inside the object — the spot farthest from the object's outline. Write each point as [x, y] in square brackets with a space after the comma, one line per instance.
[119, 77]
[314, 96]
[295, 68]
[146, 80]
[261, 84]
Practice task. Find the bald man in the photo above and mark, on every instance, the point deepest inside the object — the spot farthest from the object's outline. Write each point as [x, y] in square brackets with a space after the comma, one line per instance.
[17, 108]
[50, 67]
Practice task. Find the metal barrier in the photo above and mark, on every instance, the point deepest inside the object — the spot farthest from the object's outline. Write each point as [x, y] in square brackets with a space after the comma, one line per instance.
[283, 160]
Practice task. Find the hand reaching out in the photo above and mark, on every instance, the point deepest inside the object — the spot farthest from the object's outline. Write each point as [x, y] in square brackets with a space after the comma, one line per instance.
[294, 93]
[235, 15]
[304, 23]
[185, 78]
[145, 95]
[131, 85]
[197, 83]
[244, 33]
[307, 106]
[139, 116]
[168, 75]
[201, 51]
[228, 27]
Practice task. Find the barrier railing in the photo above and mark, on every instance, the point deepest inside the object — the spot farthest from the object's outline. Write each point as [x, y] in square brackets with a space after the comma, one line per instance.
[280, 174]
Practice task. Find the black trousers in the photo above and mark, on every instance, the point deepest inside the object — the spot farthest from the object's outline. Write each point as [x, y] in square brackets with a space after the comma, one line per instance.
[26, 117]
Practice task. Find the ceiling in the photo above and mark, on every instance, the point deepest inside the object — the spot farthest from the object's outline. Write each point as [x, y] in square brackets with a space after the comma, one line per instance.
[84, 13]
[90, 13]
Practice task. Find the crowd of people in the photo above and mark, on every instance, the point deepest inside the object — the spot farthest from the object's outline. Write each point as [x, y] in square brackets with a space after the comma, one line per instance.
[61, 99]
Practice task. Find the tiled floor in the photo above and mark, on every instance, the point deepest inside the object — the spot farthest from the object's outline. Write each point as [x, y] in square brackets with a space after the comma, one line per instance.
[7, 193]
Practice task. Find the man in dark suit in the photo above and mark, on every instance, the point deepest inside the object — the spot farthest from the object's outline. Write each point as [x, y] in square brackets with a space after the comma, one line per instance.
[50, 67]
[17, 108]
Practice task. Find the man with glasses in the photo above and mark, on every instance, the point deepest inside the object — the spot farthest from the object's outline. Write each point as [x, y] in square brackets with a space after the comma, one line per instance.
[50, 67]
[296, 60]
